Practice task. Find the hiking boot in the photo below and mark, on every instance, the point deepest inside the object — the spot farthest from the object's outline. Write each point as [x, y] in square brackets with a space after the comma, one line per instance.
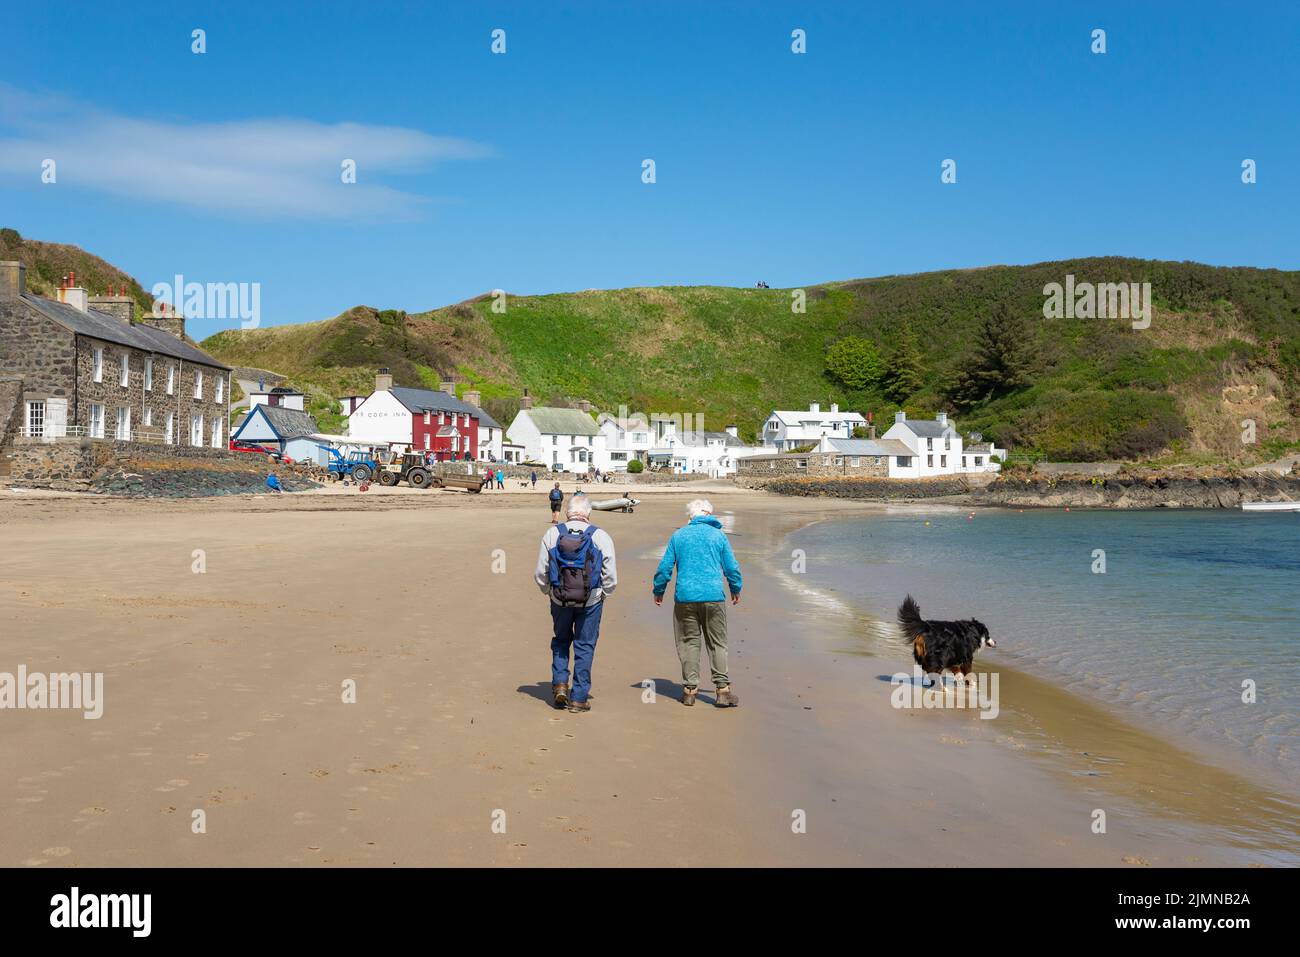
[577, 707]
[560, 695]
[725, 699]
[688, 697]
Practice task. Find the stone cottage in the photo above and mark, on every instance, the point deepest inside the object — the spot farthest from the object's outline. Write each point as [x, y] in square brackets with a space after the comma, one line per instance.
[83, 366]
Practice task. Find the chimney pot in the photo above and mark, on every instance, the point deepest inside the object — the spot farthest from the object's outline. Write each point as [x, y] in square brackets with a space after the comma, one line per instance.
[584, 405]
[900, 416]
[942, 418]
[474, 397]
[835, 407]
[814, 407]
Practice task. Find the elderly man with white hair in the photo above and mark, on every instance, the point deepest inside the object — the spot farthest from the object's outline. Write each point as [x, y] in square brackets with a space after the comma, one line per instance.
[700, 552]
[576, 570]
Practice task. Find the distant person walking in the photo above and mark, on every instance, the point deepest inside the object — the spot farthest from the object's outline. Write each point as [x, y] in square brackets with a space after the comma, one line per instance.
[576, 571]
[557, 499]
[533, 477]
[702, 556]
[501, 478]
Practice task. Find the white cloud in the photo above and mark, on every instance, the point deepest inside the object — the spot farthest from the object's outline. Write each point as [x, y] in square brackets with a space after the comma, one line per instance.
[273, 167]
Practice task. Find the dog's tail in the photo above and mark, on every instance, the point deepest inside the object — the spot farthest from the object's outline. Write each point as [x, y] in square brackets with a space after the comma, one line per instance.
[909, 616]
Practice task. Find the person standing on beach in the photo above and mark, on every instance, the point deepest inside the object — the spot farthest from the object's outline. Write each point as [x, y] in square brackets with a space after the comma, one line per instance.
[533, 478]
[557, 499]
[700, 552]
[501, 478]
[576, 571]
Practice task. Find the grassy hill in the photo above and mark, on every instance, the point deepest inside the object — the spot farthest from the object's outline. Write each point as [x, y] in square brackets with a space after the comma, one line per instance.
[48, 263]
[1223, 349]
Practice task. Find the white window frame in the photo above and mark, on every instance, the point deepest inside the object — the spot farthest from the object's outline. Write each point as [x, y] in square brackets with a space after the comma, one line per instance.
[123, 419]
[216, 432]
[99, 364]
[219, 390]
[171, 427]
[32, 416]
[148, 374]
[196, 429]
[147, 418]
[198, 383]
[124, 376]
[96, 421]
[427, 442]
[171, 379]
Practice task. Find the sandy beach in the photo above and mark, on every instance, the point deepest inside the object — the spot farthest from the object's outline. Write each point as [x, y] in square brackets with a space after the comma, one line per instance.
[223, 692]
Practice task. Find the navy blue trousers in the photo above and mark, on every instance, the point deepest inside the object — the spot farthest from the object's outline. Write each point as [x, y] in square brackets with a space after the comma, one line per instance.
[579, 628]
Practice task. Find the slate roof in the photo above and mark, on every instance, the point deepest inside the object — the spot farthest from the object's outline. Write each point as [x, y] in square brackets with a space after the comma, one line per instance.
[979, 447]
[289, 423]
[110, 329]
[927, 428]
[419, 401]
[798, 416]
[869, 447]
[554, 421]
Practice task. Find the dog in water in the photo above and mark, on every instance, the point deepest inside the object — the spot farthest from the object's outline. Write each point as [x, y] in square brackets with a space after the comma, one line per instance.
[940, 646]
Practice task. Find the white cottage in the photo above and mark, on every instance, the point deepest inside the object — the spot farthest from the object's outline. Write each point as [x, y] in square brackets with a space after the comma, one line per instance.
[938, 449]
[563, 439]
[786, 430]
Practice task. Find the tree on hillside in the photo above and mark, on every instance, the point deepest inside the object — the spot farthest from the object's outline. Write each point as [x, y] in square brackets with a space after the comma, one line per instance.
[854, 362]
[902, 374]
[1000, 361]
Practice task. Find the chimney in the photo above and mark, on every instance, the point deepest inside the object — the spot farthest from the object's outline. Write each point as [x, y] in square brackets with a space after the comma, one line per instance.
[72, 294]
[732, 431]
[835, 407]
[474, 397]
[871, 431]
[584, 405]
[448, 386]
[525, 401]
[942, 418]
[116, 304]
[814, 407]
[383, 380]
[900, 416]
[13, 279]
[166, 318]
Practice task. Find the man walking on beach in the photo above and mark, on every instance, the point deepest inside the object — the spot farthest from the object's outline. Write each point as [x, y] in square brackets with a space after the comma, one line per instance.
[557, 499]
[703, 558]
[575, 569]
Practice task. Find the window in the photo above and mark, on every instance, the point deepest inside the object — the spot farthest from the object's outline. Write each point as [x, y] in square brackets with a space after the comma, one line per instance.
[148, 375]
[196, 430]
[99, 365]
[171, 380]
[124, 424]
[148, 418]
[198, 385]
[221, 385]
[428, 416]
[426, 434]
[856, 461]
[929, 444]
[943, 461]
[555, 440]
[442, 418]
[171, 425]
[979, 460]
[35, 419]
[929, 461]
[96, 421]
[216, 433]
[126, 370]
[904, 461]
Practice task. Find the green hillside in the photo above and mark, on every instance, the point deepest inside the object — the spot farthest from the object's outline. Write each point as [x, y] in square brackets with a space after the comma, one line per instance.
[1223, 350]
[1223, 347]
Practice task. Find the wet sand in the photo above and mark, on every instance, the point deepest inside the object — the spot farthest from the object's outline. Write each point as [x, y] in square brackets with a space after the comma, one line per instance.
[224, 694]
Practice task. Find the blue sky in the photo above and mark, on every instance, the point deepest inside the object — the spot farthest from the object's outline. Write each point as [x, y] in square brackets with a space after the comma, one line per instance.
[523, 170]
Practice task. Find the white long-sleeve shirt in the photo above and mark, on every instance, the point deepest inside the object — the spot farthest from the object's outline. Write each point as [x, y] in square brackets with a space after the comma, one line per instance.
[608, 570]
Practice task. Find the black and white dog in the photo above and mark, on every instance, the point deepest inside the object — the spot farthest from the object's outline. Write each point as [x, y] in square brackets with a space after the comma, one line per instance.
[940, 646]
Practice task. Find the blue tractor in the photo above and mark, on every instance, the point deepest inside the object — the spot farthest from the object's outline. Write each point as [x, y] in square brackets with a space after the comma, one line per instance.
[358, 465]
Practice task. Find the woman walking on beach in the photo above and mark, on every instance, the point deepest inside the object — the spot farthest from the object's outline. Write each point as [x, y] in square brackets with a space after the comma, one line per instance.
[702, 557]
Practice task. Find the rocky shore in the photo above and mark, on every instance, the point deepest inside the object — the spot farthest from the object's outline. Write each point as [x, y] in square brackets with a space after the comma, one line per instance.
[1141, 489]
[189, 483]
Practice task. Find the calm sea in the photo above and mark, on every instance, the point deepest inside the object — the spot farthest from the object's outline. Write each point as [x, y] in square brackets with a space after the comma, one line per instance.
[1189, 607]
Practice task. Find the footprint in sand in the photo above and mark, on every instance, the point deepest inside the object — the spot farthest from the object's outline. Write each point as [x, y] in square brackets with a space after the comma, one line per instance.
[240, 736]
[57, 851]
[319, 773]
[173, 784]
[93, 810]
[198, 757]
[949, 739]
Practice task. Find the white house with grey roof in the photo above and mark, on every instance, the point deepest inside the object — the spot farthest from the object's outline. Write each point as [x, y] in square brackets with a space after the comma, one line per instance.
[936, 447]
[566, 440]
[785, 430]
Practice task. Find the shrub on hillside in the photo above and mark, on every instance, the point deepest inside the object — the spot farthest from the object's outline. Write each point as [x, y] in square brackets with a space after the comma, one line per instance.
[635, 466]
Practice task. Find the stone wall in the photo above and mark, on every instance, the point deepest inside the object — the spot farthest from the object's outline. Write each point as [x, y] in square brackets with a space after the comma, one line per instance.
[870, 489]
[36, 349]
[11, 407]
[132, 468]
[759, 470]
